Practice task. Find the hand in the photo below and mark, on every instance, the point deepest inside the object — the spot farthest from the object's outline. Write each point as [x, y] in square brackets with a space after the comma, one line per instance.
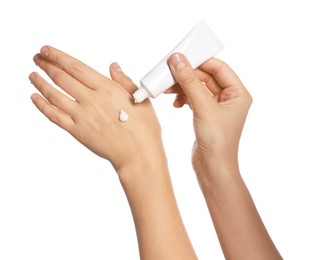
[90, 111]
[220, 104]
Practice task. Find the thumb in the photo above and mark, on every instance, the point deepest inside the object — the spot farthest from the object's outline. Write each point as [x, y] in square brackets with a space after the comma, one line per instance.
[120, 77]
[197, 93]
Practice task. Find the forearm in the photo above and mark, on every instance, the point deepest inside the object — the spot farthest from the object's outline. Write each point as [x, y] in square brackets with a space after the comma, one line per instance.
[239, 227]
[160, 231]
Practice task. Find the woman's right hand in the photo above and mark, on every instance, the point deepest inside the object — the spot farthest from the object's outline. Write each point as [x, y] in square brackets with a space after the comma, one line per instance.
[220, 104]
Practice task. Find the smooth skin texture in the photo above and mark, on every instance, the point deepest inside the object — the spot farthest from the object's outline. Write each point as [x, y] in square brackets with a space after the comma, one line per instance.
[90, 113]
[220, 105]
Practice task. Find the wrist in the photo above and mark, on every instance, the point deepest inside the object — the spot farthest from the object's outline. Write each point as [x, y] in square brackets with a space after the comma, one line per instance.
[148, 188]
[215, 170]
[142, 168]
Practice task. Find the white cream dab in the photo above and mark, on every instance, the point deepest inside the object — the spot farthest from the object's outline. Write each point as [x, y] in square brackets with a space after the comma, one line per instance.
[123, 116]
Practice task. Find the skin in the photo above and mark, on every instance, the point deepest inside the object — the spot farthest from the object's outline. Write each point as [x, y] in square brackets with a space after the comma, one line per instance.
[90, 113]
[220, 105]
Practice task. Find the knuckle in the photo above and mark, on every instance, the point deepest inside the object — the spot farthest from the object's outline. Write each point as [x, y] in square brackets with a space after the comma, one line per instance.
[125, 81]
[39, 84]
[43, 107]
[221, 67]
[59, 77]
[76, 67]
[42, 65]
[52, 97]
[124, 78]
[79, 135]
[51, 114]
[189, 78]
[250, 99]
[54, 118]
[40, 106]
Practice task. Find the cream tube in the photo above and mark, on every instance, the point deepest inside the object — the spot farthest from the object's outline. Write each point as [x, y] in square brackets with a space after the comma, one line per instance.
[198, 46]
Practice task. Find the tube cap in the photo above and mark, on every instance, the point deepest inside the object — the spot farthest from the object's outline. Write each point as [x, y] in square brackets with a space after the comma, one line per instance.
[140, 95]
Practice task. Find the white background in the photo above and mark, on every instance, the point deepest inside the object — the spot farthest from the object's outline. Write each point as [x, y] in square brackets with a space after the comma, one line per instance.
[60, 201]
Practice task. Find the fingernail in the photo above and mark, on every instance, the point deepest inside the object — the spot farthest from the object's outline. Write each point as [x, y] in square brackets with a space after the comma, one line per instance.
[32, 78]
[34, 98]
[178, 61]
[115, 66]
[45, 51]
[36, 59]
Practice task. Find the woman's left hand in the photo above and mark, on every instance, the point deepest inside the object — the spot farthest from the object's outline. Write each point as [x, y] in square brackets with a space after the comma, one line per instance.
[90, 111]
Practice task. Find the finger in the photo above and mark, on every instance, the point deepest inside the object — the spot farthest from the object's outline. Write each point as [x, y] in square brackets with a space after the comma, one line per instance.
[55, 97]
[207, 89]
[176, 88]
[120, 77]
[209, 81]
[206, 78]
[53, 114]
[198, 97]
[180, 100]
[221, 72]
[61, 78]
[77, 69]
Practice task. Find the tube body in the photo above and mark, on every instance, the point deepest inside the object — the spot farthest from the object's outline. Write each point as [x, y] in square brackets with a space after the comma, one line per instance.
[199, 45]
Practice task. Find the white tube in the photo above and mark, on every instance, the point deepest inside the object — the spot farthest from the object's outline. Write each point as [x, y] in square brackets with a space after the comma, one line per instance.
[198, 46]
